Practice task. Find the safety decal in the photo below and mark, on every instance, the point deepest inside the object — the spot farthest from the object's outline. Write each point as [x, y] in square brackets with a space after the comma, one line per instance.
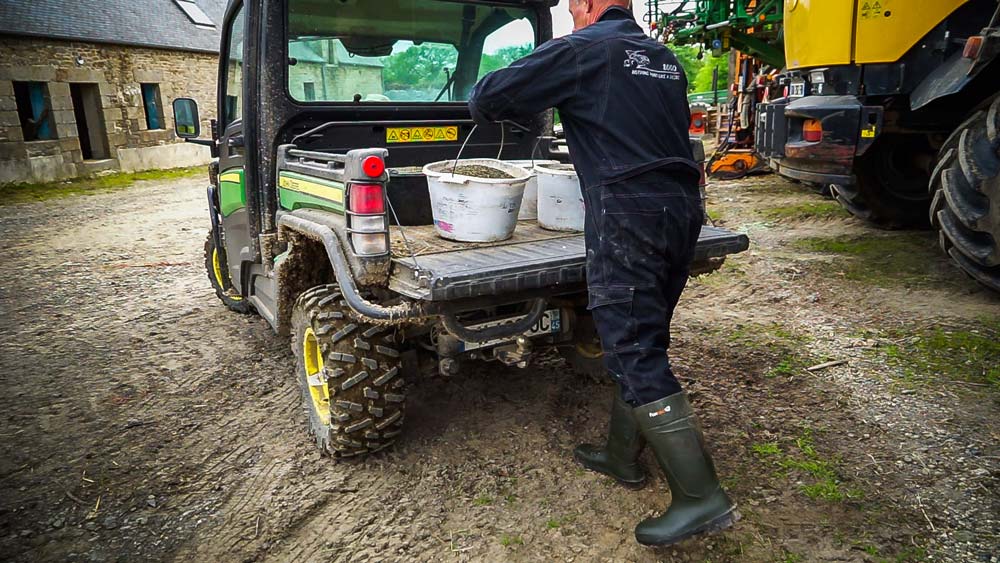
[868, 132]
[421, 134]
[874, 9]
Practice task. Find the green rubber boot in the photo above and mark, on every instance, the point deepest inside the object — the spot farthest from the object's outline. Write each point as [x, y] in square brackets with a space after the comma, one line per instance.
[698, 503]
[619, 458]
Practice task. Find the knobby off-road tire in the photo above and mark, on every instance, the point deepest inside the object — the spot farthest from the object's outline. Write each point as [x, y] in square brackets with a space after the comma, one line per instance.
[218, 274]
[349, 373]
[966, 196]
[890, 192]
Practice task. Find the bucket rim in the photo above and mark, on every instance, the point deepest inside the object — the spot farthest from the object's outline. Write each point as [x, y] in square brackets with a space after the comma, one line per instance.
[521, 174]
[555, 171]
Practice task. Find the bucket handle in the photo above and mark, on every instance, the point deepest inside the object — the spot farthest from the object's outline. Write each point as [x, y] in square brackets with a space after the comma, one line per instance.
[462, 148]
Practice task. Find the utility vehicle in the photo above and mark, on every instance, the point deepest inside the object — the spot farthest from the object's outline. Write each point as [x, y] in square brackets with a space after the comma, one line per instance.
[321, 220]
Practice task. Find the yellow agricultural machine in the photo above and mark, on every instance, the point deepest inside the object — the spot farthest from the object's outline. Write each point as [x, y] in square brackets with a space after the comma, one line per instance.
[894, 104]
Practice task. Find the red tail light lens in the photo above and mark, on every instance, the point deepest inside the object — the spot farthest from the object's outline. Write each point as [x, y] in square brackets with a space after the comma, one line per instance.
[367, 198]
[373, 166]
[812, 130]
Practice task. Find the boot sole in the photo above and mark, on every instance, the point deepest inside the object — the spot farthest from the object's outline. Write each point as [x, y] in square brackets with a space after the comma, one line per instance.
[634, 485]
[719, 524]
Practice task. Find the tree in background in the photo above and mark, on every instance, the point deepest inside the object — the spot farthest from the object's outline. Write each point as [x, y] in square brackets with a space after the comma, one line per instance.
[502, 58]
[419, 67]
[699, 71]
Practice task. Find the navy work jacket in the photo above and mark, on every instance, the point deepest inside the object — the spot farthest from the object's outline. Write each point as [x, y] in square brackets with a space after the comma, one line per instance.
[621, 96]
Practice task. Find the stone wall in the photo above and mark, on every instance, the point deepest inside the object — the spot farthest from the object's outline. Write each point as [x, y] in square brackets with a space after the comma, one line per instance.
[118, 72]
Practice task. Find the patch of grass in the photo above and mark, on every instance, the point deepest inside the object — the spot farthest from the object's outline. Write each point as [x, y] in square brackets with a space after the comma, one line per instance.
[883, 260]
[28, 192]
[778, 341]
[713, 214]
[931, 355]
[555, 523]
[507, 540]
[483, 500]
[791, 557]
[825, 482]
[801, 211]
[766, 449]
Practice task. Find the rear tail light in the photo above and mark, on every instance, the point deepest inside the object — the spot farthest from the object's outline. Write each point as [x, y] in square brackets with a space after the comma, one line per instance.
[368, 223]
[973, 46]
[812, 130]
[367, 198]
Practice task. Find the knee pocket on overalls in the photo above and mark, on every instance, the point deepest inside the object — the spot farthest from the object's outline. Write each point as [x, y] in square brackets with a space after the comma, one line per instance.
[613, 316]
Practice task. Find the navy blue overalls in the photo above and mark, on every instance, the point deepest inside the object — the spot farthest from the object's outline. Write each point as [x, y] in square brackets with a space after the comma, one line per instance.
[622, 98]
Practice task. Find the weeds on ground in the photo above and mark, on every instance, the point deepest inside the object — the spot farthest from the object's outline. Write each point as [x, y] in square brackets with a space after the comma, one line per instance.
[805, 460]
[802, 211]
[29, 192]
[931, 355]
[777, 340]
[908, 555]
[483, 500]
[555, 523]
[882, 260]
[507, 540]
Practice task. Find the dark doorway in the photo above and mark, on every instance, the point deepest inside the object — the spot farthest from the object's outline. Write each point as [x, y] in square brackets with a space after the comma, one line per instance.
[89, 120]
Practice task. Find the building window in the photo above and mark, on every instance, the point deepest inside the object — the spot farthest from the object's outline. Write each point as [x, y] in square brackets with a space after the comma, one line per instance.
[309, 89]
[151, 103]
[34, 108]
[195, 14]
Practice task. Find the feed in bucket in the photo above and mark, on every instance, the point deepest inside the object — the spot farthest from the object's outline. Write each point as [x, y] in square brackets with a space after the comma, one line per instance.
[480, 208]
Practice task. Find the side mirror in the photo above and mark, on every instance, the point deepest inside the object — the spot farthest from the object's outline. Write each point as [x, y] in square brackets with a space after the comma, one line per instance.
[186, 122]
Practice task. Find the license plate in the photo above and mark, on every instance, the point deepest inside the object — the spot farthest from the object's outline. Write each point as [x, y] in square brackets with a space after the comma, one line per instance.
[550, 323]
[797, 90]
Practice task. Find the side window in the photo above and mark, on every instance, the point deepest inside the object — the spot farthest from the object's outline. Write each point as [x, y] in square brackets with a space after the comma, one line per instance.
[234, 71]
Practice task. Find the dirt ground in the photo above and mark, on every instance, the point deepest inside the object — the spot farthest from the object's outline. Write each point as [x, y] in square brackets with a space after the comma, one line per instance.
[142, 421]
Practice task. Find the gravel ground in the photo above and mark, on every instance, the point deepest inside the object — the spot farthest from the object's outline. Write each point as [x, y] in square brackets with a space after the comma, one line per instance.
[143, 421]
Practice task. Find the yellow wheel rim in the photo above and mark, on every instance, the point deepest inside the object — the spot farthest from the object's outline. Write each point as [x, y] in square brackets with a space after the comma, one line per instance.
[589, 350]
[217, 270]
[318, 390]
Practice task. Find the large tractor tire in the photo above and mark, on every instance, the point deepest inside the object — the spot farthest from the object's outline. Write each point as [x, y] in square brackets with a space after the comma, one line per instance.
[966, 196]
[349, 374]
[891, 188]
[218, 274]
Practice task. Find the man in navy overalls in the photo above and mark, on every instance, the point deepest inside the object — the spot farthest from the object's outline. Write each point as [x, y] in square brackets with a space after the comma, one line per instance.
[622, 98]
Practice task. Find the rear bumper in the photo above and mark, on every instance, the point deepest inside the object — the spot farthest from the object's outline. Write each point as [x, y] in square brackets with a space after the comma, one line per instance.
[849, 129]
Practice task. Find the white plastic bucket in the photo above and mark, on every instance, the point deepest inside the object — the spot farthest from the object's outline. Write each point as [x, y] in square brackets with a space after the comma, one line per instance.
[471, 209]
[529, 205]
[560, 199]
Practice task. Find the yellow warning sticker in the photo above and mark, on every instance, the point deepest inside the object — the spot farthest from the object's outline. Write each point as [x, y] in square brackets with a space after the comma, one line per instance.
[421, 134]
[868, 132]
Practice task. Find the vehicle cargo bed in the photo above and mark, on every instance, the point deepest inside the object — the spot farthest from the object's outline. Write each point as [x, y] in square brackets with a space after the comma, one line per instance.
[532, 259]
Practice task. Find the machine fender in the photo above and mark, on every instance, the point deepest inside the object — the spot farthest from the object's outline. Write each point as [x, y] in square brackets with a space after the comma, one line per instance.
[947, 79]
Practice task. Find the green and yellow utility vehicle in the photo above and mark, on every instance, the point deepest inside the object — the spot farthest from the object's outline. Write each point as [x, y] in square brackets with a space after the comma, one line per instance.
[321, 220]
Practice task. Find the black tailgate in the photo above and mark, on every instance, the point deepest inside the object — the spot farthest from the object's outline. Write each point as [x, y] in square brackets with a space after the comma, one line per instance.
[459, 273]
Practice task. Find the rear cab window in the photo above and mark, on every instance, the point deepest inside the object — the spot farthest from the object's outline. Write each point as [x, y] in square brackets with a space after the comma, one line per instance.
[400, 51]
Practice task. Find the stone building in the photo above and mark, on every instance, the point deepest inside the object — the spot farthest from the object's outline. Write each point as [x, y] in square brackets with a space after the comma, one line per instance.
[87, 85]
